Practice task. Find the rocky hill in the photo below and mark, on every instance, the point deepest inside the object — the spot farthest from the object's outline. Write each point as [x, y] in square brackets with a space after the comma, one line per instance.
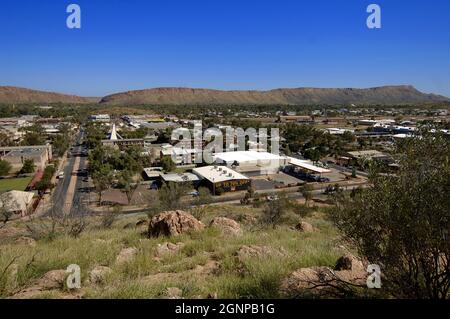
[172, 255]
[299, 96]
[386, 95]
[9, 94]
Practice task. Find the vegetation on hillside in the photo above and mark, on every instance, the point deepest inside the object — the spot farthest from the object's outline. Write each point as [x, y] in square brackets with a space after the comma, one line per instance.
[402, 222]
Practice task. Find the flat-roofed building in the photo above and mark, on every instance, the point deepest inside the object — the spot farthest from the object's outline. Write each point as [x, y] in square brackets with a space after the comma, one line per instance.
[252, 162]
[370, 155]
[180, 155]
[337, 131]
[180, 178]
[296, 119]
[307, 165]
[101, 118]
[220, 179]
[25, 120]
[17, 203]
[16, 156]
[153, 173]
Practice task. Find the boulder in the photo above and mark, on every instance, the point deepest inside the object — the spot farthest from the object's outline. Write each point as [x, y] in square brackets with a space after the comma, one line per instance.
[51, 281]
[211, 267]
[248, 219]
[173, 293]
[254, 251]
[304, 227]
[325, 281]
[173, 223]
[54, 279]
[168, 248]
[306, 281]
[98, 274]
[348, 262]
[126, 255]
[350, 269]
[227, 226]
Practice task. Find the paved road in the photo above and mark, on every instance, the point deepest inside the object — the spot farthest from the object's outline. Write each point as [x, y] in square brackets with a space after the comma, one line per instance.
[68, 195]
[318, 194]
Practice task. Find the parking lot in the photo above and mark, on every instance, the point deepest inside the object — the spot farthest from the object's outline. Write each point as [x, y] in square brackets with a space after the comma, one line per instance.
[274, 181]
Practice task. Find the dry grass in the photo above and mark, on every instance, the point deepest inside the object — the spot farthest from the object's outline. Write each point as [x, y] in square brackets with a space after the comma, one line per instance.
[147, 277]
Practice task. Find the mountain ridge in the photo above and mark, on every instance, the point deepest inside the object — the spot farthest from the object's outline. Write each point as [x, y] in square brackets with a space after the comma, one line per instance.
[385, 95]
[19, 95]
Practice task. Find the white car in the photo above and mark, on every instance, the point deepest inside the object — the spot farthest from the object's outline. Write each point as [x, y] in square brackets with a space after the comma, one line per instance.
[61, 175]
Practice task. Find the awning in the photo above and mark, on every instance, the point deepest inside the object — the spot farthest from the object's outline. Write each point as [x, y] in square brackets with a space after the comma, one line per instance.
[307, 165]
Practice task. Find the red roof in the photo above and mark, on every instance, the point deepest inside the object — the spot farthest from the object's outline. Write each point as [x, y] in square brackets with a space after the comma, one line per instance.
[37, 177]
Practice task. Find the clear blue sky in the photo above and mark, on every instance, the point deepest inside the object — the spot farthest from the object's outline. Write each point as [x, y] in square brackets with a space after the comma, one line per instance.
[223, 44]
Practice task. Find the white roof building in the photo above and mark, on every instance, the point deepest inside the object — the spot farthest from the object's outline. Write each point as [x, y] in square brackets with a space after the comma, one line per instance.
[16, 201]
[180, 177]
[337, 131]
[100, 118]
[246, 161]
[308, 165]
[217, 174]
[153, 172]
[247, 157]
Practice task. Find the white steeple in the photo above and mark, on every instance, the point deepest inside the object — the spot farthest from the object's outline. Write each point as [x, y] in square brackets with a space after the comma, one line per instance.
[114, 135]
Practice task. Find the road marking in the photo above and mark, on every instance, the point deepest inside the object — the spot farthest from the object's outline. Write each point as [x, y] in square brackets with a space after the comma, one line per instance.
[70, 194]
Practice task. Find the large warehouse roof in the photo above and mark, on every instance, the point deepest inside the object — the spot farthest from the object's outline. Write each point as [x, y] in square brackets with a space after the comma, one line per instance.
[216, 174]
[247, 156]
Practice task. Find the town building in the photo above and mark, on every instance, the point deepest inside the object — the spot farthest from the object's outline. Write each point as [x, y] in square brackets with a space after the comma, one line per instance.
[252, 163]
[295, 119]
[181, 178]
[152, 173]
[17, 155]
[307, 165]
[100, 118]
[180, 155]
[220, 179]
[18, 203]
[337, 131]
[370, 155]
[115, 140]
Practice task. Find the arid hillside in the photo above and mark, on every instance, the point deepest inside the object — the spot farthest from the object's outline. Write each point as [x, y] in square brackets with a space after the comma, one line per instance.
[300, 96]
[386, 95]
[9, 94]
